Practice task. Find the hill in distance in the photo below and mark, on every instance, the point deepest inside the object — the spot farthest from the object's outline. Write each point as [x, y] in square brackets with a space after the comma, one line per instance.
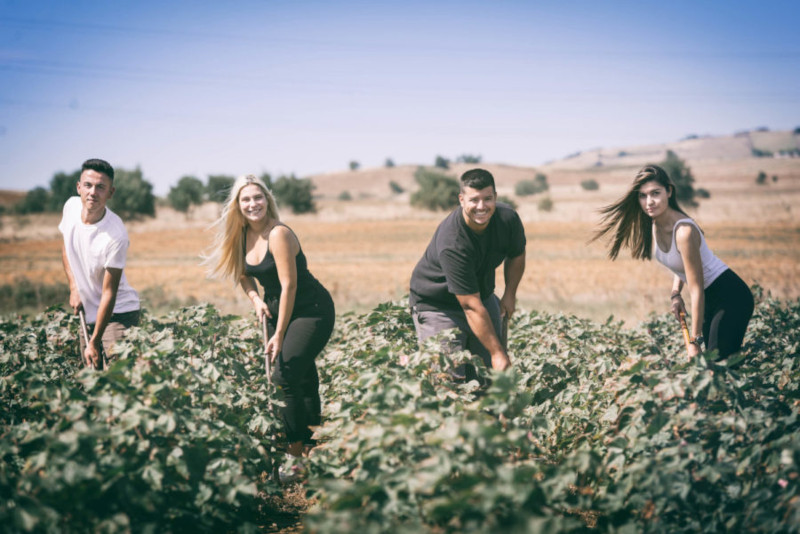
[711, 159]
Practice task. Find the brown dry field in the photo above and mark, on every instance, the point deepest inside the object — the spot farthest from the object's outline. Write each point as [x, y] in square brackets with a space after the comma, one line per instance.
[364, 250]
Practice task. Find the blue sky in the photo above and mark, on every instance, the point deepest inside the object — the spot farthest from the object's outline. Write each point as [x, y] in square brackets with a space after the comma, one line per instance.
[299, 87]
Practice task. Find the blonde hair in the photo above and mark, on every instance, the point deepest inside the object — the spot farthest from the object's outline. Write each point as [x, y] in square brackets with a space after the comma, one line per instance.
[226, 257]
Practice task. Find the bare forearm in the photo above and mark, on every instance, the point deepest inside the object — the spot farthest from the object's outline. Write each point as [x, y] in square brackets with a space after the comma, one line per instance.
[698, 311]
[74, 294]
[249, 287]
[67, 269]
[513, 270]
[677, 285]
[285, 308]
[104, 312]
[481, 325]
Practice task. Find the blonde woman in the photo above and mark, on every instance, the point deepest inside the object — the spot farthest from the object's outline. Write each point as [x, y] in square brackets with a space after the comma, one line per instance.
[648, 218]
[253, 245]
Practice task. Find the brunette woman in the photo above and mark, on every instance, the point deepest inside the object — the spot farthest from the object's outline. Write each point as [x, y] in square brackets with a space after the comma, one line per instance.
[252, 245]
[649, 219]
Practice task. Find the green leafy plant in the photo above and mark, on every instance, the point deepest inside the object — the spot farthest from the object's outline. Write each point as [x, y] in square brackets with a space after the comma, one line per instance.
[176, 434]
[596, 427]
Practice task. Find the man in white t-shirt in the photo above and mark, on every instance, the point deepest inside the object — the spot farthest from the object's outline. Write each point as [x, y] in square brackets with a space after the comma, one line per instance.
[94, 252]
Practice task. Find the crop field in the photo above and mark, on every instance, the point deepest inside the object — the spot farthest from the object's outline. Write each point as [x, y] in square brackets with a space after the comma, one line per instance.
[601, 425]
[596, 428]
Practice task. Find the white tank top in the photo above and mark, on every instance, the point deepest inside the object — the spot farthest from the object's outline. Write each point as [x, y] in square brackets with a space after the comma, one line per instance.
[672, 260]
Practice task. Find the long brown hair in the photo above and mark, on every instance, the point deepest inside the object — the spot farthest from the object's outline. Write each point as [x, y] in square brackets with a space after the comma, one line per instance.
[627, 222]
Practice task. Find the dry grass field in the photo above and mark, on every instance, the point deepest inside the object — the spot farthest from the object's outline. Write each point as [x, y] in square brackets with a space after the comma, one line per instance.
[364, 250]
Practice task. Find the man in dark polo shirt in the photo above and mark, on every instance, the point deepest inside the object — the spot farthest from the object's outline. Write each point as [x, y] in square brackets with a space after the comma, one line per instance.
[453, 284]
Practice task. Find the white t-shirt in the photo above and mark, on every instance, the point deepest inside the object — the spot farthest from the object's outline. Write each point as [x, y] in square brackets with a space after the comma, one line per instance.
[91, 249]
[672, 260]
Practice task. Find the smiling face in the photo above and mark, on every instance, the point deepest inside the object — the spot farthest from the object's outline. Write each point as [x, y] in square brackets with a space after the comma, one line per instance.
[478, 206]
[653, 198]
[253, 203]
[94, 188]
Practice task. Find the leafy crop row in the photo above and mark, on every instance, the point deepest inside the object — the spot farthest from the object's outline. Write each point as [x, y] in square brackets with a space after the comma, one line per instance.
[166, 438]
[596, 428]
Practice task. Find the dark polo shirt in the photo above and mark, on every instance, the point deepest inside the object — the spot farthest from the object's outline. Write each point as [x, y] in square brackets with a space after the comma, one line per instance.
[459, 261]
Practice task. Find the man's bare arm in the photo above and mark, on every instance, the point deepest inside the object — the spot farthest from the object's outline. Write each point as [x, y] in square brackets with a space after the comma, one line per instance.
[481, 325]
[74, 296]
[108, 298]
[513, 270]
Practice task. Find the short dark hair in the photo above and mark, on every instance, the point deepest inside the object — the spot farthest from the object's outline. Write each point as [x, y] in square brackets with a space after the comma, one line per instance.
[477, 179]
[99, 165]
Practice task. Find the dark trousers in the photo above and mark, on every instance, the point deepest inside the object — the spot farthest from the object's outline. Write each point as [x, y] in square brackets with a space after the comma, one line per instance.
[295, 371]
[728, 308]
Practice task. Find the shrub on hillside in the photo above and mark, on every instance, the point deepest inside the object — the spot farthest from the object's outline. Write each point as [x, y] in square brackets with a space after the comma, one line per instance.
[507, 200]
[436, 191]
[395, 187]
[468, 158]
[294, 193]
[546, 204]
[761, 179]
[590, 185]
[532, 187]
[681, 176]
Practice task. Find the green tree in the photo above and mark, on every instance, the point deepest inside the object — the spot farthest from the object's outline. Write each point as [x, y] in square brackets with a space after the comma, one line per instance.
[218, 186]
[681, 176]
[389, 163]
[354, 165]
[187, 193]
[442, 162]
[531, 187]
[507, 200]
[590, 185]
[436, 190]
[295, 193]
[468, 158]
[62, 187]
[267, 179]
[133, 195]
[761, 179]
[36, 201]
[395, 187]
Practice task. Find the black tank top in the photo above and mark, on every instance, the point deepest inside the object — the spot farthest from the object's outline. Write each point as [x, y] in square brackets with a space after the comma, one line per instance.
[309, 290]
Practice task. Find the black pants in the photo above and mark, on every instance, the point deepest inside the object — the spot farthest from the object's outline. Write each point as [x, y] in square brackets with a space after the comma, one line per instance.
[295, 371]
[728, 308]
